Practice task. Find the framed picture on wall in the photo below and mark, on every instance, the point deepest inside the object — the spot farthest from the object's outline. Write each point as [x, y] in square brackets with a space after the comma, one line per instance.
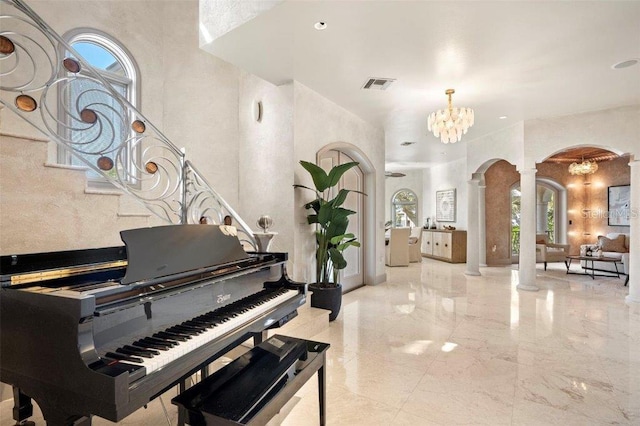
[446, 205]
[619, 201]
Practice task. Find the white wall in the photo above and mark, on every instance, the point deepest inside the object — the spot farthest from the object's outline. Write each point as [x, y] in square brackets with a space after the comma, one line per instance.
[505, 144]
[317, 123]
[446, 176]
[413, 181]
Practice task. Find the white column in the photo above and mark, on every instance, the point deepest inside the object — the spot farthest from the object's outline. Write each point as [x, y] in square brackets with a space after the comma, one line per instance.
[527, 267]
[482, 226]
[633, 299]
[473, 237]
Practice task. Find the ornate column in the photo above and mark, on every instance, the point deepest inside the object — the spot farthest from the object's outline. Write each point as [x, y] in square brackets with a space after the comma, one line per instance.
[633, 299]
[473, 232]
[482, 226]
[527, 267]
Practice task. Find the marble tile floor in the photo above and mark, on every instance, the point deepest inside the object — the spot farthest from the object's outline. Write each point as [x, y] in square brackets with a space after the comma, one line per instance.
[432, 346]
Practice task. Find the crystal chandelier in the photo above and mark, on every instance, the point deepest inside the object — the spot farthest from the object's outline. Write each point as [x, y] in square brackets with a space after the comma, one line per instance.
[584, 168]
[451, 123]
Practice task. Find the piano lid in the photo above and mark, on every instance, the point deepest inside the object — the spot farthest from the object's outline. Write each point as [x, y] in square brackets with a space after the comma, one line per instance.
[167, 250]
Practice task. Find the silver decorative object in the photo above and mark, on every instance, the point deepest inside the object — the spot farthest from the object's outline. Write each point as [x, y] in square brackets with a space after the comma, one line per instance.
[265, 222]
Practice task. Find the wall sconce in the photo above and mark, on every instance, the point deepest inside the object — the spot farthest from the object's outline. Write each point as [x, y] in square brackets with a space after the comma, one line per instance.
[257, 111]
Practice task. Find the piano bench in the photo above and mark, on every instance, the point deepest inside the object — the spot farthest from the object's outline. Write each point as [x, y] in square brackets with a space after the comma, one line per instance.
[254, 387]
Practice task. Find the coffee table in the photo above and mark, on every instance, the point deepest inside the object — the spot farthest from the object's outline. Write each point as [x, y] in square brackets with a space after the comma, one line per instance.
[592, 259]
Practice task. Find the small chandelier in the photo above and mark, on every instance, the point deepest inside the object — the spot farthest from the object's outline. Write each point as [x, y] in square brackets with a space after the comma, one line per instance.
[451, 123]
[584, 168]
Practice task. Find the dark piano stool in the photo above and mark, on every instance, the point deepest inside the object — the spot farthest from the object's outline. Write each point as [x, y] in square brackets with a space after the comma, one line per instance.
[253, 388]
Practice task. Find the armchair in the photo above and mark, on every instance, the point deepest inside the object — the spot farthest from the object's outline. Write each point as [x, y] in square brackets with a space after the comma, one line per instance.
[397, 251]
[550, 252]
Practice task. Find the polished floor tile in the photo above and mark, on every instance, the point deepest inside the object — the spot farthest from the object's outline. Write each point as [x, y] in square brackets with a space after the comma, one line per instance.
[432, 346]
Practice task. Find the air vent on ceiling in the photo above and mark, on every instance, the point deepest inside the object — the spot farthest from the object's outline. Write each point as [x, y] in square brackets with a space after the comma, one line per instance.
[394, 174]
[376, 83]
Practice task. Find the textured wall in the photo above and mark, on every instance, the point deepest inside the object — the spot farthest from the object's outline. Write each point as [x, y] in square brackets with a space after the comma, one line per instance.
[266, 158]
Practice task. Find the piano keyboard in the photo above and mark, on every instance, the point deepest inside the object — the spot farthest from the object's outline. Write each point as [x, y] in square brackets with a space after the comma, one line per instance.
[154, 352]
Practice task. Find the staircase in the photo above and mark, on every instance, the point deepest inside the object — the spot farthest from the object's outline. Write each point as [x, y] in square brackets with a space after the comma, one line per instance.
[52, 188]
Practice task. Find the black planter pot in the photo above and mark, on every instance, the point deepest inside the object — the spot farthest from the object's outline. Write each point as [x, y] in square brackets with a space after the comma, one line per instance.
[329, 298]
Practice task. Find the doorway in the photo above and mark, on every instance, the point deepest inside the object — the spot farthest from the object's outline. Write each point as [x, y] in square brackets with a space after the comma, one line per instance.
[352, 276]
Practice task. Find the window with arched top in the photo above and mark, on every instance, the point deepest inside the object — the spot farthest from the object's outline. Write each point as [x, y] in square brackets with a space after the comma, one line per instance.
[404, 209]
[115, 65]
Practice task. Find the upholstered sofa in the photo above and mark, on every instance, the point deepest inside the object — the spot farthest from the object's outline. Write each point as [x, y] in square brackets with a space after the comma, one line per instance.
[614, 245]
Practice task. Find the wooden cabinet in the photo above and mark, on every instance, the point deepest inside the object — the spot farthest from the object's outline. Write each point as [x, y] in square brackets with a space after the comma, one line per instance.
[441, 244]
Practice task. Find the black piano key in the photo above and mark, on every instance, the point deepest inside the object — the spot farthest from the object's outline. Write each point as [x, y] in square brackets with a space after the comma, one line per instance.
[201, 323]
[149, 345]
[170, 333]
[162, 341]
[151, 352]
[186, 329]
[198, 324]
[133, 353]
[123, 357]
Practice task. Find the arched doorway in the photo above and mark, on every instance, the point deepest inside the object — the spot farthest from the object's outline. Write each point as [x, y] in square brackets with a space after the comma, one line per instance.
[352, 276]
[367, 209]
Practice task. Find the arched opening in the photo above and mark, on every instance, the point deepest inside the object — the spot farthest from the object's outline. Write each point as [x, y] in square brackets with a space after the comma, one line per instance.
[368, 238]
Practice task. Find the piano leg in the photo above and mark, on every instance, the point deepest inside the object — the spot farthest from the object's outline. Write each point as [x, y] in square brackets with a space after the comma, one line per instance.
[322, 382]
[260, 337]
[22, 408]
[182, 412]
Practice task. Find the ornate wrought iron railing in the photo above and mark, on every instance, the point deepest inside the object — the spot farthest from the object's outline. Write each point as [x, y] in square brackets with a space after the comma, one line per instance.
[52, 87]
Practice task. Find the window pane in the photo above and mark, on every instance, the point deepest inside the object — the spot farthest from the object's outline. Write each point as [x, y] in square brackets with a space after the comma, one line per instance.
[103, 137]
[99, 57]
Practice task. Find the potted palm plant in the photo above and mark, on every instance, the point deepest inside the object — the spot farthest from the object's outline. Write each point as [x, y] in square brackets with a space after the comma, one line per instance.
[331, 221]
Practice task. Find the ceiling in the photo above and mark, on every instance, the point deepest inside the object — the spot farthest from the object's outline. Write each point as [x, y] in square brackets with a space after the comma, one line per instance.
[520, 59]
[576, 155]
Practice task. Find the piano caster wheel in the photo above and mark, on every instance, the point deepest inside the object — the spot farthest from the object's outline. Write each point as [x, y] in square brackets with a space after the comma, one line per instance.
[26, 423]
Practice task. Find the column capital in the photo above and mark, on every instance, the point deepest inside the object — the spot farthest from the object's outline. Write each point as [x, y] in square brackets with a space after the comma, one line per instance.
[532, 171]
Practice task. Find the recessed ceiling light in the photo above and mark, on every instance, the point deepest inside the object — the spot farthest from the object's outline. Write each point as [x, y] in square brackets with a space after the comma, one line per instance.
[625, 64]
[406, 143]
[502, 117]
[320, 25]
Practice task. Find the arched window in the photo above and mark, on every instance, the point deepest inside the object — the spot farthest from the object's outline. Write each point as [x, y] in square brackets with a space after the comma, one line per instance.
[404, 209]
[116, 65]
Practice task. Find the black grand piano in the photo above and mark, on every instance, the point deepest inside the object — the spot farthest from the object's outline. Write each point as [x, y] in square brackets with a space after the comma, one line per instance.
[104, 331]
